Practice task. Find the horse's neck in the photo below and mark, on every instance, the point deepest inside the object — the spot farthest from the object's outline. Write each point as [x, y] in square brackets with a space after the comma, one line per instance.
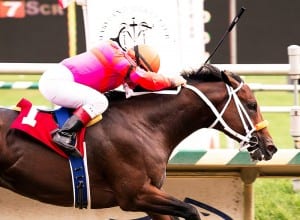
[178, 117]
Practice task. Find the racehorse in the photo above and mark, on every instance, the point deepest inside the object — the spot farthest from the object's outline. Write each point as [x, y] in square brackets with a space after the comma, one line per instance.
[128, 151]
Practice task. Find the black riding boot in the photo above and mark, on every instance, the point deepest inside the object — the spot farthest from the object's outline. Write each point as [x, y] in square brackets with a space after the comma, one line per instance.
[66, 138]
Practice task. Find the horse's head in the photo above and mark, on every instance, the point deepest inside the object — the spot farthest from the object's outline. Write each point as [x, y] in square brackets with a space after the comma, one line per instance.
[238, 115]
[257, 139]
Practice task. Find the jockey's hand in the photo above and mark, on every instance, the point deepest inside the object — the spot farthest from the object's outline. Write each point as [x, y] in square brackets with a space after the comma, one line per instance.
[178, 81]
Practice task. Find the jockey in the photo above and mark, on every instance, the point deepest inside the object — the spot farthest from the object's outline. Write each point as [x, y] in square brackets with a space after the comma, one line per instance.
[79, 82]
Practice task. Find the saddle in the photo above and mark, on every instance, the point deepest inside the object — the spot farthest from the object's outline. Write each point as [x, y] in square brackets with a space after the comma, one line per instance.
[39, 124]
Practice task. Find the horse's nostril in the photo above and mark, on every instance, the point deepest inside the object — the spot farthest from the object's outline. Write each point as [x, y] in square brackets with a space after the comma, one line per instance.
[271, 149]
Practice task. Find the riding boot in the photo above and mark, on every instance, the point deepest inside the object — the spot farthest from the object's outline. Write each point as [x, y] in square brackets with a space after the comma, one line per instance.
[66, 137]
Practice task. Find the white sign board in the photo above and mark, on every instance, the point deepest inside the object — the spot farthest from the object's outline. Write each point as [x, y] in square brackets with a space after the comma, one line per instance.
[174, 28]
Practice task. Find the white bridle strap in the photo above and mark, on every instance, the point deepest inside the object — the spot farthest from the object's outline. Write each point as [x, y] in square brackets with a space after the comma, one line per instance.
[246, 121]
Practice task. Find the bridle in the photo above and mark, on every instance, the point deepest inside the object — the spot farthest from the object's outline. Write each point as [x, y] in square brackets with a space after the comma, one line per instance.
[247, 140]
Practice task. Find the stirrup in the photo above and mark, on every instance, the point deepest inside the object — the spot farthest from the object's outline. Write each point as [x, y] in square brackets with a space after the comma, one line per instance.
[64, 142]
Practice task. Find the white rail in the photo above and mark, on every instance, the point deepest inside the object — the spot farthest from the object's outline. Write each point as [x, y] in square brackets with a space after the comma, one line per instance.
[24, 68]
[241, 69]
[256, 69]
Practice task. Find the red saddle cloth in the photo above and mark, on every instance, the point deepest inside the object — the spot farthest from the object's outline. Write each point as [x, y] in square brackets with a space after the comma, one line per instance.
[39, 124]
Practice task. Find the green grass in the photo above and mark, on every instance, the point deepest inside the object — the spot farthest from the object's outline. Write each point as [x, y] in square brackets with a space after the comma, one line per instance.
[275, 198]
[11, 97]
[280, 129]
[279, 122]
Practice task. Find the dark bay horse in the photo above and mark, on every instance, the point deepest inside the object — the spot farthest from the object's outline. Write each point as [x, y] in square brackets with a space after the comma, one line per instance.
[128, 150]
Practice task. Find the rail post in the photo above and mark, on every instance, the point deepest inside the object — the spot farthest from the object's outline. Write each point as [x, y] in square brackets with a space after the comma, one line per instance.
[294, 72]
[249, 175]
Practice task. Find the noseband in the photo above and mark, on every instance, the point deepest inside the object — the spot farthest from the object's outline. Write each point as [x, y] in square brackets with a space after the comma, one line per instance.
[247, 140]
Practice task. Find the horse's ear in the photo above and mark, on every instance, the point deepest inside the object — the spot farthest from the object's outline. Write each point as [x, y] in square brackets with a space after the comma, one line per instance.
[225, 78]
[228, 79]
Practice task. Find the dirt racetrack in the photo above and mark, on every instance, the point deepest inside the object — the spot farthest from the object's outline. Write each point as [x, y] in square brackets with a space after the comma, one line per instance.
[15, 207]
[223, 194]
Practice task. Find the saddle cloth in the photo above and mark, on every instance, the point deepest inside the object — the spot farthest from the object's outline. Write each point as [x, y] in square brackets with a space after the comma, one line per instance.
[39, 124]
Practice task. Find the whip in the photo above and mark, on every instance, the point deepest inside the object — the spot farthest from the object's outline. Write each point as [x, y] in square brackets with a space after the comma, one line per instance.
[231, 26]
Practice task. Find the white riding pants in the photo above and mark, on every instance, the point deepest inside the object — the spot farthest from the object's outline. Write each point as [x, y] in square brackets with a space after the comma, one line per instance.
[57, 85]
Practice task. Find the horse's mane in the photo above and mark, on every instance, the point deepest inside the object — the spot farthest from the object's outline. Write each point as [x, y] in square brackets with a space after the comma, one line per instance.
[207, 73]
[115, 95]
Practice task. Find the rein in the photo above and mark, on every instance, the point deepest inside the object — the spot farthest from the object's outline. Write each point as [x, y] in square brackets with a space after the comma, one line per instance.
[246, 140]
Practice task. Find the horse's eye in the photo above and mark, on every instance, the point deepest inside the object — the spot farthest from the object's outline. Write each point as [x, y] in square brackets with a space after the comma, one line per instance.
[252, 106]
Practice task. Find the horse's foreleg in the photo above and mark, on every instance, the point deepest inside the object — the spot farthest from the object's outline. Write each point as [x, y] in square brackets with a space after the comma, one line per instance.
[152, 200]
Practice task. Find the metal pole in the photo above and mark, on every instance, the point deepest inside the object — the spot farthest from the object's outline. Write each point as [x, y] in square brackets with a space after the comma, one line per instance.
[233, 34]
[83, 4]
[72, 31]
[232, 53]
[249, 175]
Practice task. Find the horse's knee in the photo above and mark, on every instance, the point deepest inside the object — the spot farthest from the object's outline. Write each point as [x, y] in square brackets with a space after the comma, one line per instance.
[153, 200]
[133, 203]
[128, 204]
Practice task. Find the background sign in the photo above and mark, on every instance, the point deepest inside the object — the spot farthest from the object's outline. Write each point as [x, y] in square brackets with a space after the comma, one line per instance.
[12, 9]
[35, 31]
[174, 28]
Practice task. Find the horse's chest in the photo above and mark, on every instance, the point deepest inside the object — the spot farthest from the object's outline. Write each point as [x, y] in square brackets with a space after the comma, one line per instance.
[162, 180]
[159, 180]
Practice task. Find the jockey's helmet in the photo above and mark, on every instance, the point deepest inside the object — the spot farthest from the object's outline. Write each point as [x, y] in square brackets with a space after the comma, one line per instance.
[145, 57]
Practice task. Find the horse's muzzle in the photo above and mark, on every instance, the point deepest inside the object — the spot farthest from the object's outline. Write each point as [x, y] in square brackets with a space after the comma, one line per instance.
[270, 151]
[259, 150]
[259, 153]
